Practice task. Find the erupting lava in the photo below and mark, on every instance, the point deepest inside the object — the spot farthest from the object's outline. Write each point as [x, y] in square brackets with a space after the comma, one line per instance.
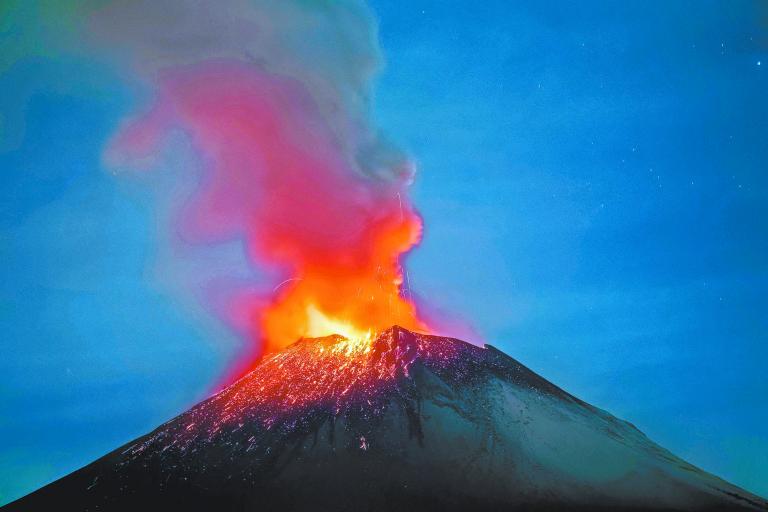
[278, 177]
[354, 302]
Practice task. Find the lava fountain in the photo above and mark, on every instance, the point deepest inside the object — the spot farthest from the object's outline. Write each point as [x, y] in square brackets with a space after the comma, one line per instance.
[275, 178]
[273, 101]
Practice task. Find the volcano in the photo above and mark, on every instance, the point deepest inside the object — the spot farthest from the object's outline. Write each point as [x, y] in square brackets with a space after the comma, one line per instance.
[402, 421]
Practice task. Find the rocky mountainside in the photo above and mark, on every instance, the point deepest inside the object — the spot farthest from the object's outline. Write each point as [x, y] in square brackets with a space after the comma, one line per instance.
[404, 422]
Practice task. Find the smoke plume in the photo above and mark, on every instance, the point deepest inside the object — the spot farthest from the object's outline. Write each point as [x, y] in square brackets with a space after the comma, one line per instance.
[275, 99]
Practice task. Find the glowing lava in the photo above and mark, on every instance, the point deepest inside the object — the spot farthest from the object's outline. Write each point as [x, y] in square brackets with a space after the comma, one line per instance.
[356, 303]
[277, 177]
[320, 325]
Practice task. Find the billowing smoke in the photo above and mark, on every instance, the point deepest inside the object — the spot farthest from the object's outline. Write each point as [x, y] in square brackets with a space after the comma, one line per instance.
[329, 47]
[274, 97]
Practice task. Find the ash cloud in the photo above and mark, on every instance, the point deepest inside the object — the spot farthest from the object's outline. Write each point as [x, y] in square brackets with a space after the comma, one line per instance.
[274, 100]
[330, 47]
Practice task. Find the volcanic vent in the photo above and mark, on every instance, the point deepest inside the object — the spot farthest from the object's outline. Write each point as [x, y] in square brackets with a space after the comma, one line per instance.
[404, 421]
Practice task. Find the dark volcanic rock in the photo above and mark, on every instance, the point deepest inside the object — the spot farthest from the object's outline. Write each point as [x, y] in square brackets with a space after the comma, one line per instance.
[409, 422]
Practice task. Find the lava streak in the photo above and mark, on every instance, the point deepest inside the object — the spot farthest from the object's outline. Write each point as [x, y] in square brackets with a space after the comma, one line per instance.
[315, 379]
[278, 177]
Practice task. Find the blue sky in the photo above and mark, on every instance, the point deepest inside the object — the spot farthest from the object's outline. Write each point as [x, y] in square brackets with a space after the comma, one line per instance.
[592, 179]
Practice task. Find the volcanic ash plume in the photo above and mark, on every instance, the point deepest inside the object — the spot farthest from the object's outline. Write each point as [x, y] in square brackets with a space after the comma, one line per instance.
[274, 97]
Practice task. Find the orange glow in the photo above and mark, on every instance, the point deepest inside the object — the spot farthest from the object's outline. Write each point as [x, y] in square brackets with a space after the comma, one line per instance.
[275, 176]
[353, 299]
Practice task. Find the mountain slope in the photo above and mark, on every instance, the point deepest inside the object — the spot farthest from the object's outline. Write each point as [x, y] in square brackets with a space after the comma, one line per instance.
[407, 422]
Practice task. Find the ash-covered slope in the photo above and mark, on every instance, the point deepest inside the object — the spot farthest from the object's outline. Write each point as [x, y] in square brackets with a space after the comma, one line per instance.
[409, 422]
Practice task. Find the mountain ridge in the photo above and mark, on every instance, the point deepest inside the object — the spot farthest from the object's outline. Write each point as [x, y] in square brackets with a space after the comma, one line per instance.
[409, 420]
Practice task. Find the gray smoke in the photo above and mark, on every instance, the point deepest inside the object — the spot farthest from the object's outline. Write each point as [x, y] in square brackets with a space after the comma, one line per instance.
[328, 46]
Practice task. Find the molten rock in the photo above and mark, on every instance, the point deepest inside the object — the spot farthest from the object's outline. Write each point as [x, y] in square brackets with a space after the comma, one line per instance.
[402, 422]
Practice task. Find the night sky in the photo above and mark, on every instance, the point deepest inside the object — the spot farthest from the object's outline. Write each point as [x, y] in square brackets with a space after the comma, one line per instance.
[592, 177]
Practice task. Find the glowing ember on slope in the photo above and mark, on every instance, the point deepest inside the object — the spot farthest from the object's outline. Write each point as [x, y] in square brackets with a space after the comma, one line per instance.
[317, 379]
[331, 371]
